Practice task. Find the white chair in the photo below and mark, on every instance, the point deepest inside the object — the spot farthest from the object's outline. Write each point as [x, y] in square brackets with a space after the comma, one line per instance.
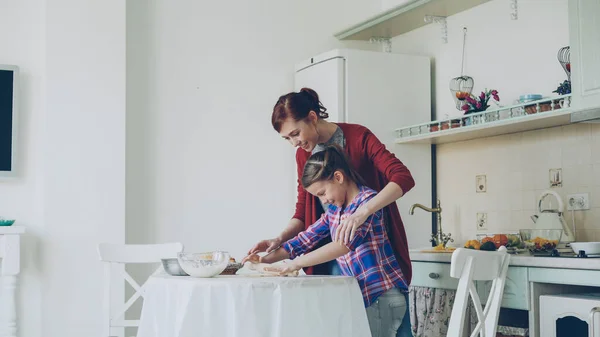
[472, 265]
[122, 254]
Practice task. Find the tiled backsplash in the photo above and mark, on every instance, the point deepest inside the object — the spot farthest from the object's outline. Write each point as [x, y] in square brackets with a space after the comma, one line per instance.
[517, 171]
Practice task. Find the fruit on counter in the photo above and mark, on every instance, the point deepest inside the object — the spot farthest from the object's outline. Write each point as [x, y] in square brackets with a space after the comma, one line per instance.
[541, 244]
[500, 240]
[487, 239]
[441, 247]
[473, 244]
[513, 240]
[488, 245]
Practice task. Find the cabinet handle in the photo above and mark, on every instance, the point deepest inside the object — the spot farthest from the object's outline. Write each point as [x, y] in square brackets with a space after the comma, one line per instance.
[434, 275]
[592, 328]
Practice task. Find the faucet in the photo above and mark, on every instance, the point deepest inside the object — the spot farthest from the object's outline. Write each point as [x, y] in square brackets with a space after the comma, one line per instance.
[440, 237]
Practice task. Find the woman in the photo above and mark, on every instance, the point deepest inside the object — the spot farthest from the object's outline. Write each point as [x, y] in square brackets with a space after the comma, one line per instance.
[300, 118]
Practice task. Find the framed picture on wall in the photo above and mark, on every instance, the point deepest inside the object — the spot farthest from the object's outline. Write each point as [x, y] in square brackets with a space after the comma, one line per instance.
[9, 90]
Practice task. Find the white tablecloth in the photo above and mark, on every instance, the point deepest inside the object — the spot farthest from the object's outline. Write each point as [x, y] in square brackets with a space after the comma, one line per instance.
[250, 306]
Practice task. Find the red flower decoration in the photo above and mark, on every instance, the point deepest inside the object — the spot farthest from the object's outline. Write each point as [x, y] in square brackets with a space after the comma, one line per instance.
[479, 103]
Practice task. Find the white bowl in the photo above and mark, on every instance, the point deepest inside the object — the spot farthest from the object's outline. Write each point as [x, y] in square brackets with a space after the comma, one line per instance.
[590, 248]
[203, 264]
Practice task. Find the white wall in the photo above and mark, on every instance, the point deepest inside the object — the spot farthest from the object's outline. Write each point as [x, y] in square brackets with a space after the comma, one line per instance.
[22, 44]
[84, 159]
[71, 193]
[204, 165]
[500, 55]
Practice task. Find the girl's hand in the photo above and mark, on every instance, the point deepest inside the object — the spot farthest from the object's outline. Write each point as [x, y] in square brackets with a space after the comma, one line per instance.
[348, 226]
[289, 268]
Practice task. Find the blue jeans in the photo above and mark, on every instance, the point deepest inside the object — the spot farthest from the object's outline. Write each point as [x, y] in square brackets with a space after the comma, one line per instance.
[405, 328]
[334, 268]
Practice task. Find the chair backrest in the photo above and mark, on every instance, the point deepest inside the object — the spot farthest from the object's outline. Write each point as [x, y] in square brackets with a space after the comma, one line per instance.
[122, 254]
[470, 265]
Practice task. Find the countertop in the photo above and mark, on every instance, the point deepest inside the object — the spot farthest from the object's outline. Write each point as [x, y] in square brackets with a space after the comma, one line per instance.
[523, 260]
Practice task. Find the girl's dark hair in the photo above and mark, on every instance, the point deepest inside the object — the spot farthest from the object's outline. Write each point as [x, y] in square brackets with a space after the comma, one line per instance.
[322, 165]
[297, 105]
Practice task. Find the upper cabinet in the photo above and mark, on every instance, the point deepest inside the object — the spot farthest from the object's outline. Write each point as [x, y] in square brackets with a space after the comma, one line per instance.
[405, 16]
[584, 30]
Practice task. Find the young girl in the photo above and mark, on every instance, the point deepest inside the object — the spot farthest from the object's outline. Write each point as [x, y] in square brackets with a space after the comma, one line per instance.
[368, 256]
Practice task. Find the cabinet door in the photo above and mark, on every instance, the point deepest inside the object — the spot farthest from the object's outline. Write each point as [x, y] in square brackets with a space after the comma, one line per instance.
[584, 30]
[433, 275]
[516, 290]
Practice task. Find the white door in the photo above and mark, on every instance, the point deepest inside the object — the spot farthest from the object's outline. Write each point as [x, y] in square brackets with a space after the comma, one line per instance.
[584, 29]
[327, 79]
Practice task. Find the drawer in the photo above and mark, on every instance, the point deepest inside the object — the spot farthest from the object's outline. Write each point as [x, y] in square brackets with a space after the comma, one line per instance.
[516, 290]
[433, 275]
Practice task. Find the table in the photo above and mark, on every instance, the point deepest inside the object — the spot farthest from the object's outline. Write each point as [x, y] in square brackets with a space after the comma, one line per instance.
[10, 267]
[253, 306]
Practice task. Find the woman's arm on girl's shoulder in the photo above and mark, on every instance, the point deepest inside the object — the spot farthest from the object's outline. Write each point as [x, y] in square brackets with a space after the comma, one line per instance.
[387, 163]
[400, 182]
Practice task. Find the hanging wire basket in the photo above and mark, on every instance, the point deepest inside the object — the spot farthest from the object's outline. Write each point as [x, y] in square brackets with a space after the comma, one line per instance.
[564, 57]
[462, 86]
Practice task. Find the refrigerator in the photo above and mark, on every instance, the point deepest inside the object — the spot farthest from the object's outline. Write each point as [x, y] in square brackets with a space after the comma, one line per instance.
[381, 91]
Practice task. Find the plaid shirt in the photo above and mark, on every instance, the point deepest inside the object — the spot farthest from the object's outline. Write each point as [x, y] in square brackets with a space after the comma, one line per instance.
[371, 258]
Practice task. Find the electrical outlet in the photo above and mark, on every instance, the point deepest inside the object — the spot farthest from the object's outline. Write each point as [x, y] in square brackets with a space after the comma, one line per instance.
[482, 222]
[578, 202]
[480, 184]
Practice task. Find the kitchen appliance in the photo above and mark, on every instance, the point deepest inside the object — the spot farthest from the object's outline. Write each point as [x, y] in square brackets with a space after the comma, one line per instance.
[381, 91]
[553, 219]
[582, 254]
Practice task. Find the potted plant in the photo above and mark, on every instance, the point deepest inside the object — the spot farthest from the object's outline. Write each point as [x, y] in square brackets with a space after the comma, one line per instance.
[564, 88]
[479, 103]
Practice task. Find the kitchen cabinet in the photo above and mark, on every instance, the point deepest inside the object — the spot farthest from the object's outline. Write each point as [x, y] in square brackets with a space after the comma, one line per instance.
[433, 275]
[437, 275]
[528, 278]
[516, 291]
[405, 16]
[584, 30]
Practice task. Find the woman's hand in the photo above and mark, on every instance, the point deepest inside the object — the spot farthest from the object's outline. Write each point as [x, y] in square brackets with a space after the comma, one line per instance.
[252, 258]
[348, 226]
[265, 246]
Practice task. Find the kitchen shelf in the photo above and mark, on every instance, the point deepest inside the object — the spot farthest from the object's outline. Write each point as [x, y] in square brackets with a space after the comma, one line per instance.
[501, 121]
[404, 18]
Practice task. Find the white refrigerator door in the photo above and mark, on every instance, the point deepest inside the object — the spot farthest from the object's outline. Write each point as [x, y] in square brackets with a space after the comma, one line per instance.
[327, 79]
